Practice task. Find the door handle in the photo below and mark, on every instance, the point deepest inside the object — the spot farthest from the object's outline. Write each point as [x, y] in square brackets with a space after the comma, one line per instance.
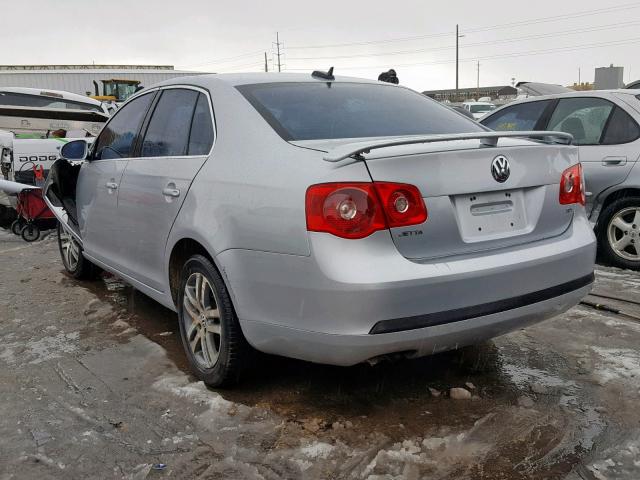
[111, 185]
[614, 161]
[171, 192]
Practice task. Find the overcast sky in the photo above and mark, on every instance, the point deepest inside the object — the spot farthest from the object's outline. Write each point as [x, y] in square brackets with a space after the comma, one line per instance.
[537, 41]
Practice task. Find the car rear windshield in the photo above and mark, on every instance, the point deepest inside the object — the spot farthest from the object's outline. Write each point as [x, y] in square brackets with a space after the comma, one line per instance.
[315, 111]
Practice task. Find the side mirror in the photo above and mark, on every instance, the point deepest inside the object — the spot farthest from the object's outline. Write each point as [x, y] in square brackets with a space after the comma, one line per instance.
[75, 150]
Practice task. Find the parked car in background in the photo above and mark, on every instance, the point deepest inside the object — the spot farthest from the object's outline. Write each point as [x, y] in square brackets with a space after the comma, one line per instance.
[333, 220]
[478, 109]
[605, 126]
[462, 110]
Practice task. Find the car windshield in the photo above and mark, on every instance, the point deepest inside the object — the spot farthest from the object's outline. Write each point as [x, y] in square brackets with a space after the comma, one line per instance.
[314, 111]
[482, 108]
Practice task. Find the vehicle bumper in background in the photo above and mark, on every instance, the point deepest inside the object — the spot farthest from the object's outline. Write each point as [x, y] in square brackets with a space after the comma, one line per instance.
[354, 300]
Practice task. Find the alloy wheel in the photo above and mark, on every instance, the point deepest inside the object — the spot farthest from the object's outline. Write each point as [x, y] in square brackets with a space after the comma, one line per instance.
[623, 233]
[70, 250]
[202, 322]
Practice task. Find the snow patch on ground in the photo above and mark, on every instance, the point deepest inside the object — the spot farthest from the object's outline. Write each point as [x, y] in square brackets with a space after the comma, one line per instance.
[523, 377]
[435, 455]
[38, 351]
[617, 364]
[621, 462]
[317, 450]
[197, 392]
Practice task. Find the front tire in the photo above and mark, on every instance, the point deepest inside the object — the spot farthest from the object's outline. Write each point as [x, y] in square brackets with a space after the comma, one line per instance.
[619, 233]
[209, 327]
[71, 252]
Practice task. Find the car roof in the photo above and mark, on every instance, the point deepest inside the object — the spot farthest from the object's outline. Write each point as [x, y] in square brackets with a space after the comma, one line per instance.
[236, 79]
[576, 94]
[477, 103]
[46, 92]
[583, 93]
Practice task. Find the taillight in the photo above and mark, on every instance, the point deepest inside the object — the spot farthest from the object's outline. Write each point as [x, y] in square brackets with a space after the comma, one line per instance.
[572, 186]
[403, 204]
[357, 209]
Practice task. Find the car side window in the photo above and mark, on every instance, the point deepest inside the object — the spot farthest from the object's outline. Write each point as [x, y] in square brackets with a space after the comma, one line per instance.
[168, 131]
[523, 116]
[585, 118]
[621, 128]
[201, 138]
[117, 139]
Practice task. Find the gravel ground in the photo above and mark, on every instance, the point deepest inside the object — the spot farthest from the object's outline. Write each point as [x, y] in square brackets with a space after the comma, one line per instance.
[94, 384]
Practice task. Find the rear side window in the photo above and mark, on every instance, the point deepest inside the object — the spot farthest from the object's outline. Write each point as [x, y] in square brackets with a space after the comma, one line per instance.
[620, 129]
[168, 131]
[584, 118]
[117, 139]
[523, 116]
[329, 110]
[201, 138]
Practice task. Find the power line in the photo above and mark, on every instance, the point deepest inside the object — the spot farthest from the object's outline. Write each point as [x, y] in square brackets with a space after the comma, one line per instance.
[236, 67]
[225, 60]
[489, 42]
[569, 48]
[615, 8]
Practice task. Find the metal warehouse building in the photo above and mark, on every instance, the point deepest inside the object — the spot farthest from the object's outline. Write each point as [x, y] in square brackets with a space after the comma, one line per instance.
[80, 78]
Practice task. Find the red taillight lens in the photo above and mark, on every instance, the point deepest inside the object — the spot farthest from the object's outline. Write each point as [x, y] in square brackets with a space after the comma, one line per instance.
[357, 209]
[572, 186]
[403, 204]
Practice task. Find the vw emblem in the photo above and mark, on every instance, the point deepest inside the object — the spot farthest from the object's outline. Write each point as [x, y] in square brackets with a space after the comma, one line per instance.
[500, 169]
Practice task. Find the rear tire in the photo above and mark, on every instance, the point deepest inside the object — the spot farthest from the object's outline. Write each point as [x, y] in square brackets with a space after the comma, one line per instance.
[30, 232]
[211, 336]
[619, 233]
[16, 226]
[72, 259]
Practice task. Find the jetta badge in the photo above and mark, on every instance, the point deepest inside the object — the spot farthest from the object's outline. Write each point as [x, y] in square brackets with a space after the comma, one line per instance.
[500, 169]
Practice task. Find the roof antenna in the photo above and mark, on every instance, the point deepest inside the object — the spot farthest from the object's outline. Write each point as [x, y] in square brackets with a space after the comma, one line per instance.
[324, 75]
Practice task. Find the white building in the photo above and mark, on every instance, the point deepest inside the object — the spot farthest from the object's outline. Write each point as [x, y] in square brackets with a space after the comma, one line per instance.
[80, 78]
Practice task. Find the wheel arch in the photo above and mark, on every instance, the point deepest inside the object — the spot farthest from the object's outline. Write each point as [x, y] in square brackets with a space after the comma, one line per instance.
[611, 197]
[181, 251]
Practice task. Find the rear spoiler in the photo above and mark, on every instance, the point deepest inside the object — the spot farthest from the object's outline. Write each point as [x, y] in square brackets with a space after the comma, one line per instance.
[487, 139]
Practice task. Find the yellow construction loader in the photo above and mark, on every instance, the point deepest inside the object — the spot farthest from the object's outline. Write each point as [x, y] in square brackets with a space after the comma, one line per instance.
[116, 90]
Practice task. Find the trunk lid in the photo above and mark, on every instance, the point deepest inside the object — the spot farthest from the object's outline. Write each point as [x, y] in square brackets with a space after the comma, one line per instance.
[469, 210]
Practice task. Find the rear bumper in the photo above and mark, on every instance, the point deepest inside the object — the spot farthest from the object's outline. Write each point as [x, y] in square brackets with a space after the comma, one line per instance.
[351, 301]
[346, 350]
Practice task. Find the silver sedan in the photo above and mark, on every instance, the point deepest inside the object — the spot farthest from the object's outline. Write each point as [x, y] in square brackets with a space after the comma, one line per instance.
[328, 219]
[605, 127]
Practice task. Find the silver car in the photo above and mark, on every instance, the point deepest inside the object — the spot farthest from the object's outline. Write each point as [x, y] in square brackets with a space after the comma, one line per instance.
[605, 126]
[333, 220]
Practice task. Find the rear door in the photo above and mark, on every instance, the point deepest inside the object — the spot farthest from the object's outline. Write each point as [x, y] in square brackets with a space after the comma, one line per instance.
[177, 139]
[605, 134]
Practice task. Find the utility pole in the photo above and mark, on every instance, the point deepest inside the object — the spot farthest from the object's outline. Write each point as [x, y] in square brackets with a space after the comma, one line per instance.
[458, 37]
[579, 79]
[266, 65]
[478, 82]
[278, 54]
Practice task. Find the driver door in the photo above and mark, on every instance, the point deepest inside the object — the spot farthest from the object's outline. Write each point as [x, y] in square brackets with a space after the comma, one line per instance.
[99, 182]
